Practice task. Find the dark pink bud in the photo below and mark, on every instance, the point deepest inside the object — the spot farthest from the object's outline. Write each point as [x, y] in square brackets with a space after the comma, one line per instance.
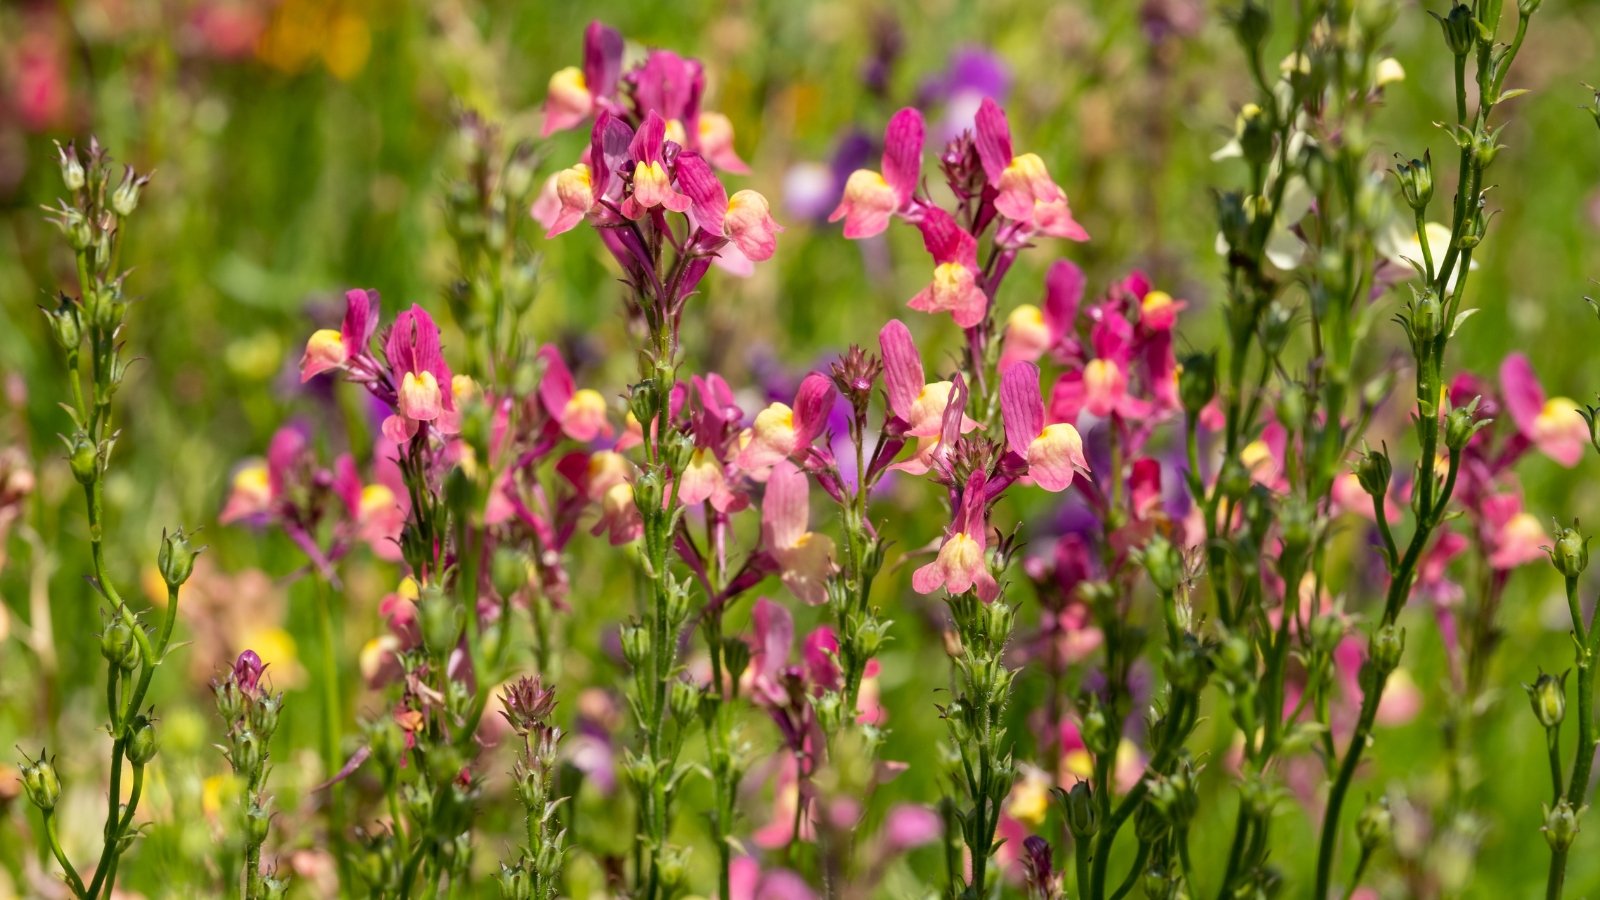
[247, 671]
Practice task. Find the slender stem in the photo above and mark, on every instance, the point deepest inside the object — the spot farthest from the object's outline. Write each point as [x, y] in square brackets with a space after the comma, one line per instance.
[331, 721]
[60, 855]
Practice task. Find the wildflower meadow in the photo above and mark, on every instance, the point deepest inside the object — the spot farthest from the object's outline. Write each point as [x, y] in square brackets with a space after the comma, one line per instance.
[775, 451]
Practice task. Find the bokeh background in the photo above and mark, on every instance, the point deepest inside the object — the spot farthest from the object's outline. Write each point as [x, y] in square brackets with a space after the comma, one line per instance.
[301, 147]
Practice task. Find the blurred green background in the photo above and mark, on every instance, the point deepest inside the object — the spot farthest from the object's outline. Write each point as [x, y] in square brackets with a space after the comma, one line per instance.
[300, 148]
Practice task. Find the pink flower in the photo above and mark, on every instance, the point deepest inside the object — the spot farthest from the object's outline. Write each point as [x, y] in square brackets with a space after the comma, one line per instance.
[715, 141]
[962, 563]
[955, 287]
[1514, 537]
[423, 381]
[1031, 331]
[580, 412]
[870, 198]
[748, 881]
[779, 431]
[329, 349]
[1553, 425]
[574, 93]
[1027, 194]
[745, 219]
[804, 558]
[1054, 452]
[652, 183]
[568, 197]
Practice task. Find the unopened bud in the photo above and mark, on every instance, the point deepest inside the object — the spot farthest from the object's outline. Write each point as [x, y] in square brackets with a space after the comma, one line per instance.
[1416, 181]
[1388, 645]
[118, 646]
[1373, 471]
[72, 173]
[1548, 696]
[176, 558]
[1561, 824]
[1375, 826]
[84, 459]
[1083, 814]
[1570, 552]
[142, 744]
[39, 779]
[1460, 29]
[1197, 382]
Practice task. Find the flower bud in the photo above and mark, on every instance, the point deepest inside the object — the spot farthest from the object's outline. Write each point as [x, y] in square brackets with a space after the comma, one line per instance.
[257, 822]
[1388, 645]
[1460, 29]
[65, 324]
[1374, 826]
[142, 744]
[39, 779]
[125, 199]
[1416, 181]
[72, 173]
[1083, 814]
[1570, 552]
[1561, 824]
[1373, 471]
[118, 646]
[1197, 382]
[441, 622]
[1253, 130]
[1548, 696]
[176, 558]
[1164, 563]
[84, 458]
[1460, 424]
[1526, 8]
[1251, 23]
[635, 644]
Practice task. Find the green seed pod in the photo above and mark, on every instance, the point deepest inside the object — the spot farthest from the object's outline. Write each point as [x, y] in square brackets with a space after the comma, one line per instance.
[142, 743]
[39, 779]
[1548, 696]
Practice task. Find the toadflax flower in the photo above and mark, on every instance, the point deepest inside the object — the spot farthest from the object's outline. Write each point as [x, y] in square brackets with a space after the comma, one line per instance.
[1031, 331]
[1026, 192]
[1551, 424]
[574, 93]
[872, 198]
[779, 431]
[962, 563]
[330, 349]
[423, 381]
[652, 182]
[581, 412]
[955, 287]
[1054, 453]
[804, 558]
[745, 219]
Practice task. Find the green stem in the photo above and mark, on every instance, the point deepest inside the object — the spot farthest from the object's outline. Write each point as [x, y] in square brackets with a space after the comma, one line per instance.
[61, 855]
[331, 723]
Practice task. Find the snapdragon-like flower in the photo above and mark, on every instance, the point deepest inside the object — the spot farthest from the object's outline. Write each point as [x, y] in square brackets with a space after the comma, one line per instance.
[872, 198]
[804, 558]
[780, 431]
[1025, 191]
[652, 179]
[568, 196]
[328, 349]
[581, 413]
[1054, 453]
[919, 405]
[575, 94]
[1552, 424]
[1031, 331]
[962, 563]
[955, 288]
[424, 385]
[745, 219]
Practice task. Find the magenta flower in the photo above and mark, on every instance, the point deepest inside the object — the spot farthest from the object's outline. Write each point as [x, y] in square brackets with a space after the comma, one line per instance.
[652, 184]
[581, 413]
[423, 381]
[567, 197]
[804, 558]
[328, 349]
[1553, 424]
[1026, 192]
[872, 198]
[955, 287]
[962, 563]
[1031, 331]
[1054, 453]
[574, 94]
[1514, 537]
[919, 405]
[779, 431]
[745, 219]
